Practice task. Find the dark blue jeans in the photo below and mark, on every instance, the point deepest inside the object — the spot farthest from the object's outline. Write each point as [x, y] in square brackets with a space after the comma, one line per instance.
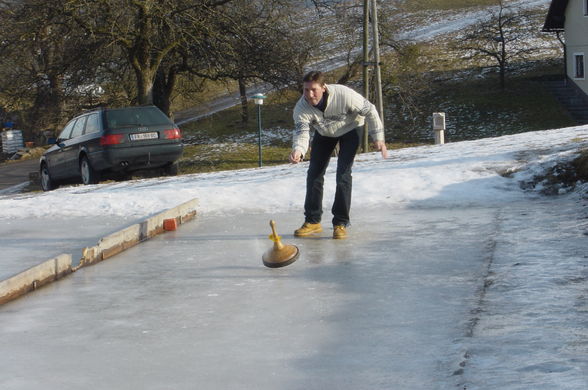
[322, 148]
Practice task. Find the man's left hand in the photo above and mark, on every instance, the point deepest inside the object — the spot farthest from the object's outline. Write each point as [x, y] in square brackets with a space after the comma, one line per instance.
[381, 146]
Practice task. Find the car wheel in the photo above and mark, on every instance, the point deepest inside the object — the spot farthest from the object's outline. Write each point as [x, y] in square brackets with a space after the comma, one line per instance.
[171, 169]
[47, 183]
[89, 174]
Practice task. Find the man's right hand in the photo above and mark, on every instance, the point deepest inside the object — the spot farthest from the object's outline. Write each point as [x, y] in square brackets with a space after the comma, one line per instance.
[295, 157]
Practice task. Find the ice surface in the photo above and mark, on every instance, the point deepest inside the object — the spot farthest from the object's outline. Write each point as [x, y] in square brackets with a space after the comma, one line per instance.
[26, 243]
[197, 307]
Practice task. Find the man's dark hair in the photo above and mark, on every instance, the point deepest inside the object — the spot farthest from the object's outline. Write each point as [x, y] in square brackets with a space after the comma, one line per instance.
[314, 77]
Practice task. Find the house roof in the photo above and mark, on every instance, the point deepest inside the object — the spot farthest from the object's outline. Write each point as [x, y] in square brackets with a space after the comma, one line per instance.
[556, 16]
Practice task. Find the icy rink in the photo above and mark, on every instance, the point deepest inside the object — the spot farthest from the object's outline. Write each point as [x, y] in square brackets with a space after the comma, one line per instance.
[196, 308]
[423, 298]
[26, 243]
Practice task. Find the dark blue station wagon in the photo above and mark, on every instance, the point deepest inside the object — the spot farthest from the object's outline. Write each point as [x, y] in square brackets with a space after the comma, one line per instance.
[112, 142]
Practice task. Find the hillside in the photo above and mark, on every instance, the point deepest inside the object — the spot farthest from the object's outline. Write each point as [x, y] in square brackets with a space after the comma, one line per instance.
[434, 77]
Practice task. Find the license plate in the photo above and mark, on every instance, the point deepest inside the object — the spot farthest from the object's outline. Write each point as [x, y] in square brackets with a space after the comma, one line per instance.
[142, 136]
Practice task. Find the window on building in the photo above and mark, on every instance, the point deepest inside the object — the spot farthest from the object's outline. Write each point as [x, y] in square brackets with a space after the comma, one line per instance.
[585, 7]
[579, 66]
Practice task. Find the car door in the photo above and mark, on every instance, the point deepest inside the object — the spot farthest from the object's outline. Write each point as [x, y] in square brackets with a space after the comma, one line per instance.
[91, 142]
[71, 148]
[56, 158]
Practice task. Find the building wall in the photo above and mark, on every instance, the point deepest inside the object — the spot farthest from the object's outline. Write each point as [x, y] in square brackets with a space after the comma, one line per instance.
[576, 35]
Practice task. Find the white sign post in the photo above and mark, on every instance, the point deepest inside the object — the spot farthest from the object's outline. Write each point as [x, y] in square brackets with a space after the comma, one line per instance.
[439, 127]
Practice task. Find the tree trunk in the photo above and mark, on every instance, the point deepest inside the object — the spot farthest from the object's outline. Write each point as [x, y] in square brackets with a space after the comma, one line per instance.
[502, 76]
[47, 107]
[163, 88]
[503, 63]
[243, 94]
[144, 86]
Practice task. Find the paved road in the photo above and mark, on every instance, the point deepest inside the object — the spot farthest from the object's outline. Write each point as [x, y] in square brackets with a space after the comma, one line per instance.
[16, 172]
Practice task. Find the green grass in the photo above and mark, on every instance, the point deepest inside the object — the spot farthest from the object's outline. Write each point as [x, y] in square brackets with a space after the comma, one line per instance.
[480, 108]
[204, 158]
[276, 112]
[475, 108]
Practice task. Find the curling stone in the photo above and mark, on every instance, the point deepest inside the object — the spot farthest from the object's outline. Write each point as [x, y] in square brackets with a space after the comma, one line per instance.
[280, 255]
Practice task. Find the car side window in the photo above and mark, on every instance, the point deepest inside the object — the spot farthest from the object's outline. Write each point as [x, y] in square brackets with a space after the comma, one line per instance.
[78, 128]
[92, 124]
[66, 132]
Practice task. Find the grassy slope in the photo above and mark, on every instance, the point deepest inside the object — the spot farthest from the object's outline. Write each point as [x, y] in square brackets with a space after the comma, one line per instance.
[475, 106]
[484, 110]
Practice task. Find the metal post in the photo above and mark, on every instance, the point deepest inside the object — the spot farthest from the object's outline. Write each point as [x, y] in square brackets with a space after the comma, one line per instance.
[259, 126]
[258, 99]
[366, 59]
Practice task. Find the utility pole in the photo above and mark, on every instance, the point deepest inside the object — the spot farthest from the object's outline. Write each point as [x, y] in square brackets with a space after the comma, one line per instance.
[370, 15]
[379, 99]
[366, 71]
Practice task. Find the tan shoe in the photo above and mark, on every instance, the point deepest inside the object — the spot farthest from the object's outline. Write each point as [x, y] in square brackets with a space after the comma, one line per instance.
[339, 232]
[307, 229]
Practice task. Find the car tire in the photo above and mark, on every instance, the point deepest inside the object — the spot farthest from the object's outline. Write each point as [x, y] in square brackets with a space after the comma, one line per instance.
[171, 169]
[89, 175]
[47, 183]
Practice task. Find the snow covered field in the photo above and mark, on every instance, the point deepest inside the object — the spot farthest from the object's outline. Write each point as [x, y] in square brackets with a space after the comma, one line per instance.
[481, 172]
[467, 280]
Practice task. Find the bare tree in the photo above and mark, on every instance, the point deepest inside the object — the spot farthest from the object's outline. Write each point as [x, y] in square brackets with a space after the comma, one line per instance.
[348, 20]
[43, 60]
[53, 48]
[215, 39]
[261, 42]
[148, 31]
[500, 39]
[406, 82]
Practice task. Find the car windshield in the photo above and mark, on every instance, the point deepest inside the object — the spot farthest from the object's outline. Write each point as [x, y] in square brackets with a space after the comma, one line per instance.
[136, 116]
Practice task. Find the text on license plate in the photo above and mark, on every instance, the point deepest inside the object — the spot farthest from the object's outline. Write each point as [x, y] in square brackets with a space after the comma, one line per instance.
[141, 136]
